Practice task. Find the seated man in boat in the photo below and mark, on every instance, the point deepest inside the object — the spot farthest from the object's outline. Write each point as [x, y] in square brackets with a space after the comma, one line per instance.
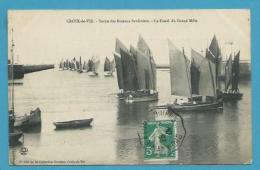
[181, 102]
[121, 91]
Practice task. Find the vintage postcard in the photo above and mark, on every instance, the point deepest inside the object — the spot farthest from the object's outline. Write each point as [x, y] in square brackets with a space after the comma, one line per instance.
[109, 87]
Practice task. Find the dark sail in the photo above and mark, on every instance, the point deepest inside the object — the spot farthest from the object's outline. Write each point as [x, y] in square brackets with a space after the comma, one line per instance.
[140, 66]
[235, 72]
[214, 48]
[129, 71]
[215, 52]
[80, 64]
[77, 65]
[84, 66]
[119, 71]
[107, 65]
[195, 77]
[206, 79]
[90, 65]
[147, 79]
[228, 73]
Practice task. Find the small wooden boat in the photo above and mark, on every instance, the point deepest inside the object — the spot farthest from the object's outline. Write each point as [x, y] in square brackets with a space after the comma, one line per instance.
[73, 124]
[33, 119]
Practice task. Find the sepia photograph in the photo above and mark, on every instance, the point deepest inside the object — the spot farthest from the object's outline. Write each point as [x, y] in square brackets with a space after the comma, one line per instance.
[129, 87]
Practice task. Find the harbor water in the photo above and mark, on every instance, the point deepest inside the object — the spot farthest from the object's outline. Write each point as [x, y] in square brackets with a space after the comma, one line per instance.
[213, 137]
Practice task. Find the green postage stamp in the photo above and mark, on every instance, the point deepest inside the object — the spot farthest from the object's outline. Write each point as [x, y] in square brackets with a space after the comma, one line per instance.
[159, 140]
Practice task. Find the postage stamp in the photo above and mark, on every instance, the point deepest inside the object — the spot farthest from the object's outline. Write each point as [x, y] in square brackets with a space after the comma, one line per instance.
[159, 140]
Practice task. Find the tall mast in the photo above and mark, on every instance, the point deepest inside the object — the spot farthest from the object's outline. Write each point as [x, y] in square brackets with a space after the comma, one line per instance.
[12, 72]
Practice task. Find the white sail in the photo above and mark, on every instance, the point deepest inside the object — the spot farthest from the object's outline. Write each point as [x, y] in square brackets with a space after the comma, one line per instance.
[179, 72]
[144, 48]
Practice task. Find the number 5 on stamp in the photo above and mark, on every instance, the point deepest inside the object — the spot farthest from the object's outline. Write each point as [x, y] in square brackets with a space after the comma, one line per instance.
[159, 140]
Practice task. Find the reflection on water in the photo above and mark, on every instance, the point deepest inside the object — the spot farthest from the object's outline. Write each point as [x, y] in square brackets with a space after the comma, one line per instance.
[212, 137]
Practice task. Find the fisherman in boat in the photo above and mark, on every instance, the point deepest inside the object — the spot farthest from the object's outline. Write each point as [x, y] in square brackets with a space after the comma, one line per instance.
[181, 102]
[175, 101]
[121, 91]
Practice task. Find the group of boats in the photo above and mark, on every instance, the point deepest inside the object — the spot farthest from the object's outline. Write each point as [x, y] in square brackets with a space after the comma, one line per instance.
[91, 66]
[136, 72]
[194, 80]
[18, 124]
[27, 122]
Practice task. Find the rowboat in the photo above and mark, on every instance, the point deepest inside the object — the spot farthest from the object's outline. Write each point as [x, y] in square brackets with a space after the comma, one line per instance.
[73, 124]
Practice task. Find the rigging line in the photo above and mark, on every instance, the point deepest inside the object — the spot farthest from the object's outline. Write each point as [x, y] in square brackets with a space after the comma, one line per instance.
[187, 73]
[182, 122]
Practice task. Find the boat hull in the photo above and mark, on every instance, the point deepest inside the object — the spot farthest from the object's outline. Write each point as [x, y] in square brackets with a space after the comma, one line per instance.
[92, 74]
[34, 119]
[108, 74]
[14, 137]
[197, 107]
[73, 124]
[138, 97]
[231, 96]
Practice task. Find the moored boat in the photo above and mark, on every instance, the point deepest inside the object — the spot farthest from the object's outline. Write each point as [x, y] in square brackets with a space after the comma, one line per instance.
[136, 72]
[73, 124]
[232, 78]
[93, 66]
[14, 134]
[26, 121]
[109, 67]
[197, 77]
[80, 69]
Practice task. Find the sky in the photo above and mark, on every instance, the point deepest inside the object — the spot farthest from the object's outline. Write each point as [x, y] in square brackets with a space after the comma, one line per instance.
[47, 36]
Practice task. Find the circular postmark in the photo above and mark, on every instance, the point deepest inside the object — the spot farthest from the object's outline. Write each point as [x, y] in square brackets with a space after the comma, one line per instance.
[23, 150]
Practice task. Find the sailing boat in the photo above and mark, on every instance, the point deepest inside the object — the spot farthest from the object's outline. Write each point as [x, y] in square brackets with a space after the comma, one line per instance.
[192, 82]
[84, 67]
[93, 66]
[80, 70]
[109, 67]
[25, 121]
[61, 65]
[232, 77]
[14, 134]
[136, 72]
